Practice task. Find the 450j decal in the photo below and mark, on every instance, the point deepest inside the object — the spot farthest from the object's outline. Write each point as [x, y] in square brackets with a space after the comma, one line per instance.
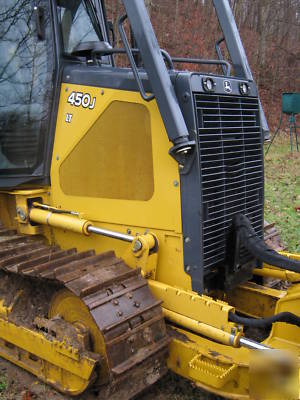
[84, 100]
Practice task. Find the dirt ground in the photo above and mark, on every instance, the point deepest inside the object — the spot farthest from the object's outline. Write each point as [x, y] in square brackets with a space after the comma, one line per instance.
[16, 384]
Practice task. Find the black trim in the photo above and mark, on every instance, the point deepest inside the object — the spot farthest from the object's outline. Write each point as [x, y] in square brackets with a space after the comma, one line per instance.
[41, 176]
[104, 77]
[155, 67]
[193, 212]
[286, 317]
[57, 79]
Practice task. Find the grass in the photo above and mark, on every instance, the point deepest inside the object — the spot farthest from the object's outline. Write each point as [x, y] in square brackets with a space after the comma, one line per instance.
[282, 196]
[3, 384]
[282, 191]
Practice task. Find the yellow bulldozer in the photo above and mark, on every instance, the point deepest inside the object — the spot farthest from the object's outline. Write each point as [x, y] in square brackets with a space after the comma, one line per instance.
[131, 207]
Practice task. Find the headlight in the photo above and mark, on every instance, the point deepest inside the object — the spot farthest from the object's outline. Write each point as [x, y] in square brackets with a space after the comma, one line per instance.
[208, 84]
[244, 88]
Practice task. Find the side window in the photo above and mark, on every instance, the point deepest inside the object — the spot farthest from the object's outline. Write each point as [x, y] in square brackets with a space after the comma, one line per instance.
[76, 21]
[26, 65]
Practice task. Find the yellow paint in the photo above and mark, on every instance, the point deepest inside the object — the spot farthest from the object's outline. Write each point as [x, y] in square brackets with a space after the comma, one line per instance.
[190, 304]
[283, 275]
[215, 367]
[72, 309]
[160, 213]
[274, 272]
[155, 207]
[54, 362]
[62, 221]
[208, 331]
[284, 335]
[146, 257]
[114, 158]
[255, 300]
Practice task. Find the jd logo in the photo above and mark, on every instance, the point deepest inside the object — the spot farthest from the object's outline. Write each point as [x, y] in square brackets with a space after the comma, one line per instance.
[227, 86]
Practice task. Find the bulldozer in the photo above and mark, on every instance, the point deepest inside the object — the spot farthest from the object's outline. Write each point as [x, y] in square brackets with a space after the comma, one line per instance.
[131, 207]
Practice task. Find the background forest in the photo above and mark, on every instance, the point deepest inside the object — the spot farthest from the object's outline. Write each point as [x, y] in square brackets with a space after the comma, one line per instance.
[270, 31]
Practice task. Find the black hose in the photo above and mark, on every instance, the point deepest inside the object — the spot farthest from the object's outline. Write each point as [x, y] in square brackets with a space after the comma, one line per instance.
[257, 247]
[287, 317]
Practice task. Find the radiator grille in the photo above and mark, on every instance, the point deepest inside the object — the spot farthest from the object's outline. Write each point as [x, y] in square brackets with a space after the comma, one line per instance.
[231, 168]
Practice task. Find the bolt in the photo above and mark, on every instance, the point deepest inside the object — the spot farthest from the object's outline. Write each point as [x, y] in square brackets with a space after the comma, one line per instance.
[187, 240]
[102, 92]
[57, 158]
[68, 76]
[67, 89]
[176, 183]
[21, 213]
[130, 296]
[120, 313]
[137, 246]
[129, 231]
[116, 302]
[186, 96]
[188, 268]
[137, 304]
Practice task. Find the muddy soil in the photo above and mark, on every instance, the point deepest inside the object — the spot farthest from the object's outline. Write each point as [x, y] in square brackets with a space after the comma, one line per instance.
[16, 384]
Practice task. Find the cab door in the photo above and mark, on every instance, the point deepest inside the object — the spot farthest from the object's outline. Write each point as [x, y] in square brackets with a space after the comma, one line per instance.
[26, 90]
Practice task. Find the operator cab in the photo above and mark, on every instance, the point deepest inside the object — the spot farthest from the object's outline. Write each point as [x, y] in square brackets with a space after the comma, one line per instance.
[29, 78]
[213, 121]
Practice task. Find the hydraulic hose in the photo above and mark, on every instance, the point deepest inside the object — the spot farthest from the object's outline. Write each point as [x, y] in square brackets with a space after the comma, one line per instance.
[257, 247]
[287, 317]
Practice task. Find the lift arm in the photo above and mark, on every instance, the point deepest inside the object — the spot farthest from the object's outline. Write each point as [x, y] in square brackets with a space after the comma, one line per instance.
[236, 50]
[159, 77]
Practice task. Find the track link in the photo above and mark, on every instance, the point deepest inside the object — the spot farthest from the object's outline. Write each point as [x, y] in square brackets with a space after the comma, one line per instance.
[128, 319]
[272, 237]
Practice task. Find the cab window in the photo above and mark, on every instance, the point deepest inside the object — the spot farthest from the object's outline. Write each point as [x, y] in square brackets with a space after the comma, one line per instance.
[79, 23]
[26, 67]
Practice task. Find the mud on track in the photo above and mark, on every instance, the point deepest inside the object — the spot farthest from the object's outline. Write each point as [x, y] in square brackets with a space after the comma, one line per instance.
[24, 386]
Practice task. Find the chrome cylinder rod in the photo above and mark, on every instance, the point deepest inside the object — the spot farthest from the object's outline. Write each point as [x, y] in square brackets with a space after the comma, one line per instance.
[111, 234]
[251, 344]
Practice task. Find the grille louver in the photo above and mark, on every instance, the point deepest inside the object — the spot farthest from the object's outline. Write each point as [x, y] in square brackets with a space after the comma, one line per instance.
[231, 168]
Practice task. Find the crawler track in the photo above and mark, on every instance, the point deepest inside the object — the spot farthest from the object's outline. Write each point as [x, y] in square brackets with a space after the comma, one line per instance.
[272, 237]
[125, 325]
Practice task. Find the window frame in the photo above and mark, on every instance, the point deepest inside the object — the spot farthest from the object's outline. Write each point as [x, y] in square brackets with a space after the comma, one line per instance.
[39, 174]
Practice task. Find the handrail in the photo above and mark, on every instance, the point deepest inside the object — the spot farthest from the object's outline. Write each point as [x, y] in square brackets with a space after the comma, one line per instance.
[132, 61]
[170, 60]
[111, 51]
[219, 52]
[203, 61]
